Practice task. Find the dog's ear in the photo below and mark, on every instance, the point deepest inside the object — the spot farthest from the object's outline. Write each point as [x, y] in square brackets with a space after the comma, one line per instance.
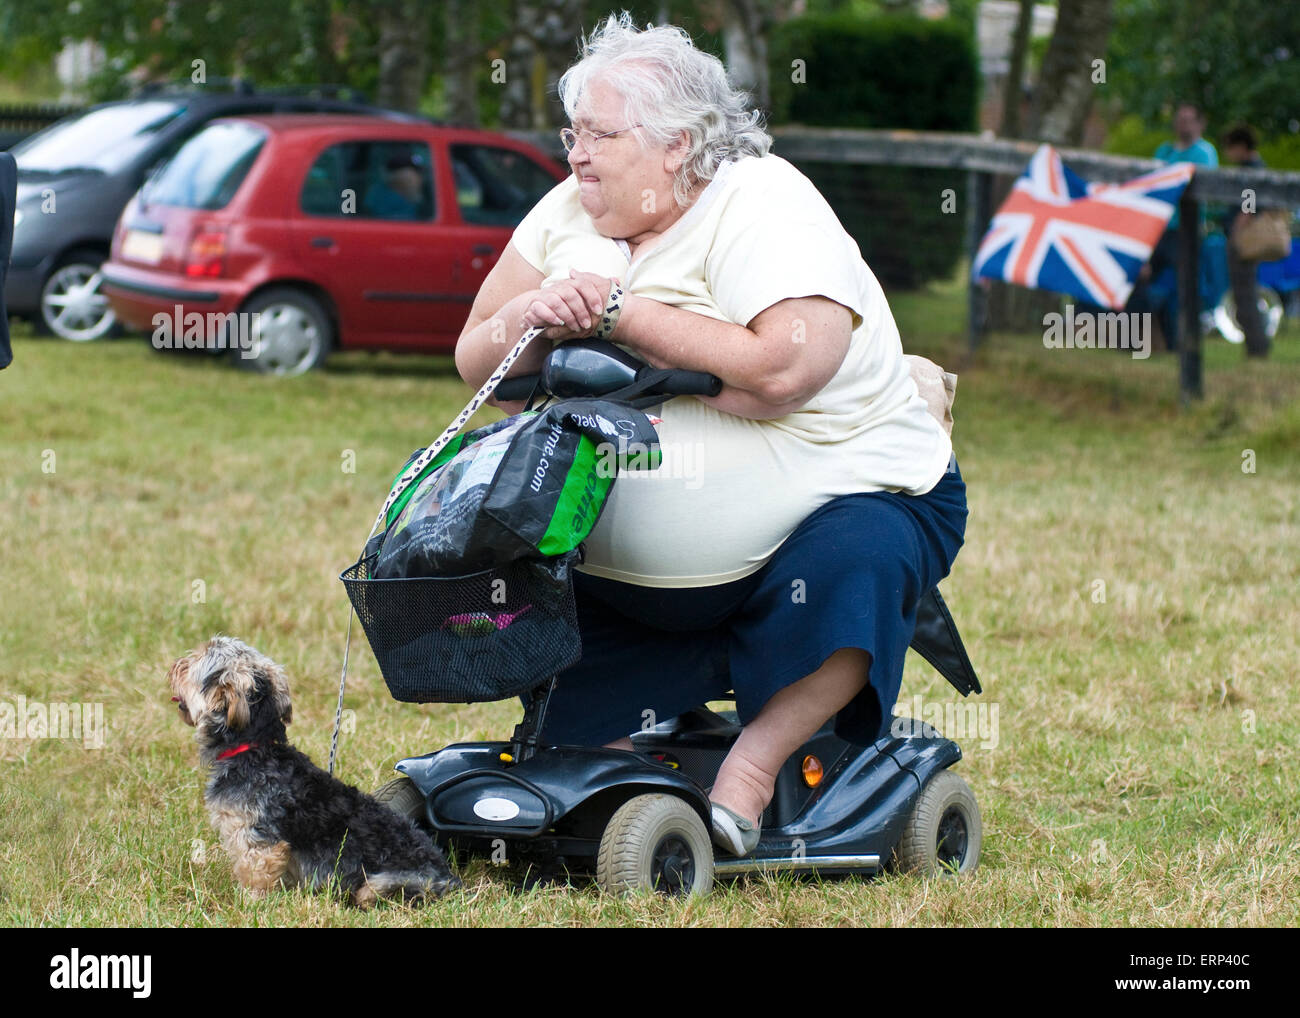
[279, 692]
[227, 686]
[178, 673]
[272, 684]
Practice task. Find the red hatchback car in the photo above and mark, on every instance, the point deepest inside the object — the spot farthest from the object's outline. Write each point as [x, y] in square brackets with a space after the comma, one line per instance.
[334, 231]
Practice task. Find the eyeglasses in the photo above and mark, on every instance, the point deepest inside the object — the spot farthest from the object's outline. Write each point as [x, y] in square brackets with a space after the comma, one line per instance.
[589, 139]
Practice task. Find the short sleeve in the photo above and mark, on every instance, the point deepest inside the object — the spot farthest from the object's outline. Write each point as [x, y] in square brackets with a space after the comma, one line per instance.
[777, 238]
[530, 236]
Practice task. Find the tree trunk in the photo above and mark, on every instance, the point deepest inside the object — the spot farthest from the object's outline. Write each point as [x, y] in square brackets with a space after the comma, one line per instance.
[521, 50]
[1065, 85]
[1012, 96]
[461, 32]
[1062, 99]
[541, 47]
[558, 39]
[403, 53]
[744, 37]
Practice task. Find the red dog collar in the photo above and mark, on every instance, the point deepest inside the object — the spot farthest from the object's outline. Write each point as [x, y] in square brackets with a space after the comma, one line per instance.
[226, 754]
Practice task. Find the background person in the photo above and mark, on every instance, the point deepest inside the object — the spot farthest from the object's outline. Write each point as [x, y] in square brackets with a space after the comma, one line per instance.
[1187, 147]
[1239, 149]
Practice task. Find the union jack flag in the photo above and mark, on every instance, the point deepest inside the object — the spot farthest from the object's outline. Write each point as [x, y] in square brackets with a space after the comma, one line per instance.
[1057, 232]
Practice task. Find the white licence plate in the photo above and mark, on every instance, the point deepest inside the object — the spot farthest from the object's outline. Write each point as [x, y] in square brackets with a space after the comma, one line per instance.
[141, 246]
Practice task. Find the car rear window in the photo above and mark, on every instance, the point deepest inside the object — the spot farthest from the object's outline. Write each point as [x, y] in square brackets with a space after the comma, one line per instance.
[496, 186]
[208, 169]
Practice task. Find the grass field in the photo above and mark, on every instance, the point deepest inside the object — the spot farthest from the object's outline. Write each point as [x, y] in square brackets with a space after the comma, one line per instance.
[1127, 591]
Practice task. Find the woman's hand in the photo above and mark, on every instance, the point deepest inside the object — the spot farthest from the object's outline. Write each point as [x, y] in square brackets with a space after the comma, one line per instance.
[568, 308]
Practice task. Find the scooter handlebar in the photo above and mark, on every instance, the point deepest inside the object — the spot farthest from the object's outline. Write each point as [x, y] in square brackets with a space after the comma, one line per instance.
[677, 383]
[690, 383]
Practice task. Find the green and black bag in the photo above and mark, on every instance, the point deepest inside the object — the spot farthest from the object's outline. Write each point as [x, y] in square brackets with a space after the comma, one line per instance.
[529, 486]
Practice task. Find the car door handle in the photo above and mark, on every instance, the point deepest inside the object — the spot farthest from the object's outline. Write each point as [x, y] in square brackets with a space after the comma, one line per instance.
[322, 242]
[484, 249]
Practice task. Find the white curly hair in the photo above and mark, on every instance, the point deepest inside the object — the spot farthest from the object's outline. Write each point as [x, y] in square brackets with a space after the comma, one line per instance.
[669, 86]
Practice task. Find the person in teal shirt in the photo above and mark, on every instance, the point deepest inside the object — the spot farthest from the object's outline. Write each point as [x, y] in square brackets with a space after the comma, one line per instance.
[1188, 147]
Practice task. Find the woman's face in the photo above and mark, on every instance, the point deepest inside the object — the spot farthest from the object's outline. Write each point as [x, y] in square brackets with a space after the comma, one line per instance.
[625, 188]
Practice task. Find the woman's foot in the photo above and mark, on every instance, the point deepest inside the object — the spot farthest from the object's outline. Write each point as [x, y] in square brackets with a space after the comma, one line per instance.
[733, 833]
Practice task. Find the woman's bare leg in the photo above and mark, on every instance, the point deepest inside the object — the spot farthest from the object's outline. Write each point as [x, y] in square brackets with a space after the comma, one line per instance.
[747, 778]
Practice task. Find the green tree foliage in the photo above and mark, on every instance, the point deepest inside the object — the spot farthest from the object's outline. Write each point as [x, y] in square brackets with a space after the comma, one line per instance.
[289, 42]
[890, 71]
[1237, 59]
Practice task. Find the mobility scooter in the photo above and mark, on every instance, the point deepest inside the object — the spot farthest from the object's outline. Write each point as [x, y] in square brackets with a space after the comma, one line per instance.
[641, 820]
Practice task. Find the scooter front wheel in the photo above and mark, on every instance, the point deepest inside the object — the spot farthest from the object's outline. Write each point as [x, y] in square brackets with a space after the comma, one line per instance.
[655, 842]
[944, 832]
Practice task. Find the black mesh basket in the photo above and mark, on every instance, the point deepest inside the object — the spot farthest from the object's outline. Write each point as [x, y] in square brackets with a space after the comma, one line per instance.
[466, 639]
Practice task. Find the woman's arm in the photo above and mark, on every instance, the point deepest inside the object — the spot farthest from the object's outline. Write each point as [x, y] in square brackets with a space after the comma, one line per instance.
[495, 323]
[508, 303]
[769, 368]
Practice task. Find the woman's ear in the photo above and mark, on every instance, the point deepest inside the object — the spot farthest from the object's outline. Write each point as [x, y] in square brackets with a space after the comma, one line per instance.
[676, 153]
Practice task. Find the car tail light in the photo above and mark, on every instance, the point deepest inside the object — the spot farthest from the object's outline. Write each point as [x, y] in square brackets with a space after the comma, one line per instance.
[207, 255]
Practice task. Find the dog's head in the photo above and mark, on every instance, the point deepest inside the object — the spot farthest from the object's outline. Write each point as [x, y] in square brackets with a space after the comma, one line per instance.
[226, 687]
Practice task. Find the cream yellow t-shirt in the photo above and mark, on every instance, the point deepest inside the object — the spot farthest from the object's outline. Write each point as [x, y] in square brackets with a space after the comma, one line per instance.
[730, 490]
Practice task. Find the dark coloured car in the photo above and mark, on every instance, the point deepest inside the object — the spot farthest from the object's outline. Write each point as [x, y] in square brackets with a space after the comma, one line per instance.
[75, 177]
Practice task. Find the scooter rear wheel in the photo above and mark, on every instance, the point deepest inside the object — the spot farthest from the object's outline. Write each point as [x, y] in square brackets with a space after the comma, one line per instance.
[655, 842]
[944, 832]
[401, 796]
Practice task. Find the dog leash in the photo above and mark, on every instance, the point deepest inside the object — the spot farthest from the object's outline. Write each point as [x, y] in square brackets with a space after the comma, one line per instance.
[407, 478]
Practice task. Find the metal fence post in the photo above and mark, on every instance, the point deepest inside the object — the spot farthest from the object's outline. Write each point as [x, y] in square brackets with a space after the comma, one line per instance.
[978, 196]
[1190, 380]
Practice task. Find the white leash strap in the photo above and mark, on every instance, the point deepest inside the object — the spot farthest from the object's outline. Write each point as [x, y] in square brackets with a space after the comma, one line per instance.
[405, 481]
[453, 429]
[343, 682]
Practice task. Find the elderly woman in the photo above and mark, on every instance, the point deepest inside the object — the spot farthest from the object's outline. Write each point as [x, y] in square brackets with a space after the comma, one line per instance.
[781, 547]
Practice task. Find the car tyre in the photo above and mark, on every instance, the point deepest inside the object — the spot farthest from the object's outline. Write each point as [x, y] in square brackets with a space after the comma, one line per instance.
[294, 334]
[73, 305]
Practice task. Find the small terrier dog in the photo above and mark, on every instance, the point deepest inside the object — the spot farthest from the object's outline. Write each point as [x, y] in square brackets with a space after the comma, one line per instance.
[282, 820]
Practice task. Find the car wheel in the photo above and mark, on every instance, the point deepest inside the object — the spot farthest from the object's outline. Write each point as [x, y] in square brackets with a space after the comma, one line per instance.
[73, 305]
[944, 833]
[293, 334]
[657, 843]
